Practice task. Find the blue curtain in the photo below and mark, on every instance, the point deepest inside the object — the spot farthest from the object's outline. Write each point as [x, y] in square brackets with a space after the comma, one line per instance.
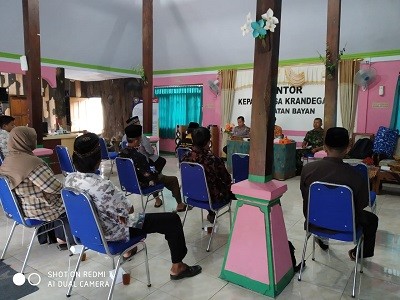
[395, 120]
[178, 105]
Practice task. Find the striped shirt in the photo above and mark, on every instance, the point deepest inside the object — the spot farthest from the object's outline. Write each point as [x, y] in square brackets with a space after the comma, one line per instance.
[39, 195]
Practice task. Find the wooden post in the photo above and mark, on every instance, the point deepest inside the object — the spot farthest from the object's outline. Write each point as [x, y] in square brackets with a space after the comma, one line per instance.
[33, 86]
[59, 98]
[147, 53]
[265, 79]
[332, 43]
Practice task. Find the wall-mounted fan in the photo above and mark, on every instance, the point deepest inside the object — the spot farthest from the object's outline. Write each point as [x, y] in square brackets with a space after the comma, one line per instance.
[365, 77]
[214, 86]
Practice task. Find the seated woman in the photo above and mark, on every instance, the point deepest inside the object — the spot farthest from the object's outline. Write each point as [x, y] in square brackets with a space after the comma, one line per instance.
[33, 182]
[219, 180]
[116, 214]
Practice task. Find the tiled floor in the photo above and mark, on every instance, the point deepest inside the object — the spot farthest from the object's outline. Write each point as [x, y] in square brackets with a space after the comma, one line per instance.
[329, 277]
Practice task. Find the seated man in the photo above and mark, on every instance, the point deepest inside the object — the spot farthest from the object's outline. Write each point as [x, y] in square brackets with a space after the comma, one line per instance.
[146, 176]
[146, 149]
[312, 143]
[332, 169]
[116, 215]
[34, 184]
[239, 132]
[6, 124]
[219, 180]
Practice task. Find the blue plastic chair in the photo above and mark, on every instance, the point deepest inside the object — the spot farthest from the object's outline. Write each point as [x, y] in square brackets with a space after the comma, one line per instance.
[240, 167]
[363, 170]
[331, 207]
[13, 210]
[87, 231]
[64, 159]
[130, 184]
[195, 193]
[181, 152]
[106, 155]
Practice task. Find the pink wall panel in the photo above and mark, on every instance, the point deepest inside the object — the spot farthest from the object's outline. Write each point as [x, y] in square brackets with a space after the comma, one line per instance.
[211, 103]
[48, 73]
[374, 110]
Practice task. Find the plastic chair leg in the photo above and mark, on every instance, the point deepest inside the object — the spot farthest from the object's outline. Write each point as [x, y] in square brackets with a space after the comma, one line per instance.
[303, 255]
[75, 272]
[9, 239]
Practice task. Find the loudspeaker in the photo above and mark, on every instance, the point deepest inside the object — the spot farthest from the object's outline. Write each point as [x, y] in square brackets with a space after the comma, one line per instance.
[24, 63]
[3, 95]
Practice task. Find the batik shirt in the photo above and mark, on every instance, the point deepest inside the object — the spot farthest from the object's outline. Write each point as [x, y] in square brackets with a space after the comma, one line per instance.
[241, 131]
[218, 179]
[40, 195]
[315, 138]
[4, 141]
[143, 171]
[110, 203]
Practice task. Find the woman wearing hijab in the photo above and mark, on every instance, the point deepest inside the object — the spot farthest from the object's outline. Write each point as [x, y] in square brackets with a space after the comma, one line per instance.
[33, 182]
[117, 217]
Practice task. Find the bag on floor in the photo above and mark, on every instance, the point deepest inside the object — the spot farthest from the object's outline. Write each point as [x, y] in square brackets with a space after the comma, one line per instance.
[296, 268]
[385, 141]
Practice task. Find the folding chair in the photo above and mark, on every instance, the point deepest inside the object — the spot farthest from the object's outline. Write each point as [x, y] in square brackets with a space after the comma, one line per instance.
[130, 184]
[181, 151]
[331, 208]
[240, 167]
[195, 193]
[13, 210]
[106, 155]
[363, 170]
[64, 159]
[87, 231]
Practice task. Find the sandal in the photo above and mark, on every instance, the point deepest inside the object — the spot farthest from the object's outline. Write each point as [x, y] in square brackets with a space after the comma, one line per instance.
[158, 205]
[352, 254]
[183, 209]
[133, 252]
[190, 271]
[62, 247]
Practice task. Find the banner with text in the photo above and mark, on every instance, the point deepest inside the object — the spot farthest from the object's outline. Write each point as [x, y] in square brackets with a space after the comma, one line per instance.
[296, 106]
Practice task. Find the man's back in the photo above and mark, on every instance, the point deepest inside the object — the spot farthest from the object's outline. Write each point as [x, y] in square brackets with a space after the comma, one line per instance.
[334, 170]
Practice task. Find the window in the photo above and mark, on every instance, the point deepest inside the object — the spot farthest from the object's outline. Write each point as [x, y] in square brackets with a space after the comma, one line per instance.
[178, 105]
[86, 114]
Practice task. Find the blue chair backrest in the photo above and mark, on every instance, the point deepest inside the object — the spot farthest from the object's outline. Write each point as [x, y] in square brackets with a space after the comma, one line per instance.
[181, 151]
[64, 159]
[240, 166]
[362, 169]
[83, 220]
[9, 202]
[104, 150]
[331, 206]
[127, 175]
[194, 184]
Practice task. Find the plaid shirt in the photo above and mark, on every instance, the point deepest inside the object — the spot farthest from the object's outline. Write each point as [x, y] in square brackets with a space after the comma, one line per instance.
[39, 195]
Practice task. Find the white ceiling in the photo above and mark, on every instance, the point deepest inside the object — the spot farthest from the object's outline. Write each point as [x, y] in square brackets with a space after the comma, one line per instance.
[190, 33]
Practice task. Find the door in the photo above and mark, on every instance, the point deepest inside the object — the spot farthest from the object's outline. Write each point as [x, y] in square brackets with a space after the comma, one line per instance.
[19, 110]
